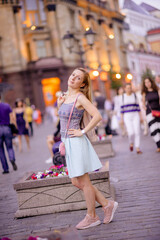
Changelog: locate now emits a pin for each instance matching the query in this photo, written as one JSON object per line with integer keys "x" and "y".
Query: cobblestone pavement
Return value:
{"x": 136, "y": 179}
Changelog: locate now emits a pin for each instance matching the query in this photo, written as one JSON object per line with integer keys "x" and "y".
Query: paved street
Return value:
{"x": 136, "y": 179}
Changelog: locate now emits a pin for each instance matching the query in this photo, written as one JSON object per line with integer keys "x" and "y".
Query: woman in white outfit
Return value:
{"x": 117, "y": 110}
{"x": 130, "y": 113}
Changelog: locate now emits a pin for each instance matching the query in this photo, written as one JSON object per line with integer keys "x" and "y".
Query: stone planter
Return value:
{"x": 57, "y": 194}
{"x": 103, "y": 148}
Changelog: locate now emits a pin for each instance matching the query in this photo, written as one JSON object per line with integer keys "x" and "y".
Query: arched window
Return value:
{"x": 141, "y": 47}
{"x": 131, "y": 46}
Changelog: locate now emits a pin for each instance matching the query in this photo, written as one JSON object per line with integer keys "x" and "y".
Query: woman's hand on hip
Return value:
{"x": 75, "y": 133}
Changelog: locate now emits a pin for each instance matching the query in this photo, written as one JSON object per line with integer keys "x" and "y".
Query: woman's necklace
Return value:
{"x": 71, "y": 96}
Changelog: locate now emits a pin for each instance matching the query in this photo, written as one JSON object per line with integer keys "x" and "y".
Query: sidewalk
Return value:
{"x": 136, "y": 179}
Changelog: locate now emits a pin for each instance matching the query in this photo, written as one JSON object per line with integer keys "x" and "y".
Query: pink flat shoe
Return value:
{"x": 109, "y": 211}
{"x": 88, "y": 222}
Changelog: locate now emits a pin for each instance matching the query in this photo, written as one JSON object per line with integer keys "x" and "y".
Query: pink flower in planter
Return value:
{"x": 5, "y": 238}
{"x": 56, "y": 174}
{"x": 32, "y": 238}
{"x": 43, "y": 175}
{"x": 66, "y": 170}
{"x": 34, "y": 176}
{"x": 54, "y": 171}
{"x": 53, "y": 167}
{"x": 60, "y": 166}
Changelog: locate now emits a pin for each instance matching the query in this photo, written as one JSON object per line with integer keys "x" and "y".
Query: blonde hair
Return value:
{"x": 86, "y": 89}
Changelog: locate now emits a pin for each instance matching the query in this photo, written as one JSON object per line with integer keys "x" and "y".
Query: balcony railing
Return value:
{"x": 46, "y": 2}
{"x": 11, "y": 2}
{"x": 99, "y": 3}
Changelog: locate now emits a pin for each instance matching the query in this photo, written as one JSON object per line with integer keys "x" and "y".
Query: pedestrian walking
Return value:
{"x": 80, "y": 155}
{"x": 37, "y": 116}
{"x": 51, "y": 140}
{"x": 131, "y": 117}
{"x": 151, "y": 102}
{"x": 157, "y": 81}
{"x": 22, "y": 123}
{"x": 143, "y": 111}
{"x": 6, "y": 137}
{"x": 117, "y": 109}
{"x": 29, "y": 117}
{"x": 99, "y": 103}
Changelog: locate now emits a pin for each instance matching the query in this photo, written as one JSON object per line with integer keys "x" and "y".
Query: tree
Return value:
{"x": 115, "y": 83}
{"x": 147, "y": 74}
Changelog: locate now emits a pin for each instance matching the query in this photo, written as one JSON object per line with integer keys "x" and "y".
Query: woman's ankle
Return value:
{"x": 92, "y": 214}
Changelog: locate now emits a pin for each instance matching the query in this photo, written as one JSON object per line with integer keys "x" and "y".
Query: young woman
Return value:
{"x": 22, "y": 123}
{"x": 151, "y": 95}
{"x": 80, "y": 155}
{"x": 130, "y": 112}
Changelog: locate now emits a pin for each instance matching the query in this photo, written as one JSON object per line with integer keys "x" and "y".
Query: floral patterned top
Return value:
{"x": 64, "y": 113}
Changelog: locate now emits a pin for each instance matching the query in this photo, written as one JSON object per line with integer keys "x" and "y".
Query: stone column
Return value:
{"x": 52, "y": 23}
{"x": 122, "y": 61}
{"x": 20, "y": 37}
{"x": 9, "y": 45}
{"x": 66, "y": 23}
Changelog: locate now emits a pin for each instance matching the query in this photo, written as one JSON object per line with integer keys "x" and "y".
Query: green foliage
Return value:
{"x": 147, "y": 74}
{"x": 115, "y": 83}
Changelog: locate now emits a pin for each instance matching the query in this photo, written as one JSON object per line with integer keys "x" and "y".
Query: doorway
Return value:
{"x": 49, "y": 87}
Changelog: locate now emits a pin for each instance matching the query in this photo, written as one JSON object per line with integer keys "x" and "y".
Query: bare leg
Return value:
{"x": 145, "y": 127}
{"x": 27, "y": 141}
{"x": 91, "y": 193}
{"x": 20, "y": 143}
{"x": 100, "y": 198}
{"x": 84, "y": 183}
{"x": 50, "y": 143}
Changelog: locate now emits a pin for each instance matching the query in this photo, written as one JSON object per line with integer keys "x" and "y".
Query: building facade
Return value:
{"x": 34, "y": 60}
{"x": 142, "y": 39}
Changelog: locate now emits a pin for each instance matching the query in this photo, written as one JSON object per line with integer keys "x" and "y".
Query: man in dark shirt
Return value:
{"x": 100, "y": 100}
{"x": 6, "y": 137}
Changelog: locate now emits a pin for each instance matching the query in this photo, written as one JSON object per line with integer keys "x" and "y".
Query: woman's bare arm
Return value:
{"x": 92, "y": 110}
{"x": 60, "y": 100}
{"x": 144, "y": 100}
{"x": 13, "y": 118}
{"x": 159, "y": 95}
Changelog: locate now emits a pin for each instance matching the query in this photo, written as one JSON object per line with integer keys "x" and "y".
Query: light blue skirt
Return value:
{"x": 80, "y": 156}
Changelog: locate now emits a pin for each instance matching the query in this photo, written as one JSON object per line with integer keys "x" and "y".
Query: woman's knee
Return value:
{"x": 76, "y": 183}
{"x": 81, "y": 181}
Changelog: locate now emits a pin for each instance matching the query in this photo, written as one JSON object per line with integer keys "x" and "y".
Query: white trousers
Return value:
{"x": 132, "y": 123}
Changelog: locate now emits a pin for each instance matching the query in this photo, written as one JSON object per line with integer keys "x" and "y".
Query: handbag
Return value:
{"x": 13, "y": 128}
{"x": 58, "y": 159}
{"x": 155, "y": 113}
{"x": 62, "y": 149}
{"x": 62, "y": 145}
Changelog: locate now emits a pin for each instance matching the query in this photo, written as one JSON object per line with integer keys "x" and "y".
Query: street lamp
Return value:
{"x": 111, "y": 36}
{"x": 95, "y": 73}
{"x": 69, "y": 40}
{"x": 90, "y": 36}
{"x": 129, "y": 76}
{"x": 118, "y": 75}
